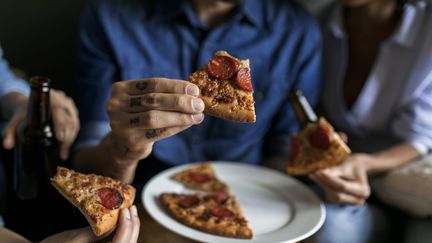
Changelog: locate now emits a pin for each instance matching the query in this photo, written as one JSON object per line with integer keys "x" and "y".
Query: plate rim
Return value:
{"x": 177, "y": 168}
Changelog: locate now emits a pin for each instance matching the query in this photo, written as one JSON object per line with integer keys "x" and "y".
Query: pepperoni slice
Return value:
{"x": 222, "y": 67}
{"x": 110, "y": 198}
{"x": 221, "y": 197}
{"x": 222, "y": 212}
{"x": 296, "y": 148}
{"x": 243, "y": 80}
{"x": 189, "y": 201}
{"x": 320, "y": 138}
{"x": 200, "y": 178}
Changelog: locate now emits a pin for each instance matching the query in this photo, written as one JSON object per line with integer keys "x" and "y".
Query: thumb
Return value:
{"x": 9, "y": 140}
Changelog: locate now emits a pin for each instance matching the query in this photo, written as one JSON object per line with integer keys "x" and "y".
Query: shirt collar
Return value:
{"x": 169, "y": 9}
{"x": 404, "y": 34}
{"x": 411, "y": 18}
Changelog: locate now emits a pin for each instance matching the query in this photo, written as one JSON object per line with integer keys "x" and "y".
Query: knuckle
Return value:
{"x": 151, "y": 119}
{"x": 151, "y": 84}
{"x": 111, "y": 106}
{"x": 150, "y": 100}
{"x": 178, "y": 101}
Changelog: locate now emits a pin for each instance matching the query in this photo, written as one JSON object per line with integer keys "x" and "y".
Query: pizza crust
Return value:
{"x": 227, "y": 111}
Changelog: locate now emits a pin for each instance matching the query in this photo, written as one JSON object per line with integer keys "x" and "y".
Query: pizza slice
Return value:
{"x": 201, "y": 177}
{"x": 226, "y": 88}
{"x": 217, "y": 213}
{"x": 317, "y": 146}
{"x": 99, "y": 198}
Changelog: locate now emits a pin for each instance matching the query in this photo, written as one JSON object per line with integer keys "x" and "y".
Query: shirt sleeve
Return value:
{"x": 307, "y": 79}
{"x": 97, "y": 71}
{"x": 8, "y": 82}
{"x": 414, "y": 123}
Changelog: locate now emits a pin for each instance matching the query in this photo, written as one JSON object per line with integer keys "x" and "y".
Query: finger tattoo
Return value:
{"x": 154, "y": 133}
{"x": 141, "y": 86}
{"x": 135, "y": 101}
{"x": 134, "y": 121}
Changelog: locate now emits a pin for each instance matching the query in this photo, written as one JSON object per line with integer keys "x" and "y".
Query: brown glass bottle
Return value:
{"x": 303, "y": 110}
{"x": 36, "y": 153}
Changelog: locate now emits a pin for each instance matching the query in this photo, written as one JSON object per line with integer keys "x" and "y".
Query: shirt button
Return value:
{"x": 208, "y": 46}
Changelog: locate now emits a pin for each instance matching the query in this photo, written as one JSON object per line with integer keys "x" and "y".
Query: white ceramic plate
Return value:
{"x": 278, "y": 207}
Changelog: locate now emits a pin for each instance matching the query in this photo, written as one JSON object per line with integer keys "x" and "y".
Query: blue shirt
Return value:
{"x": 133, "y": 39}
{"x": 395, "y": 103}
{"x": 8, "y": 82}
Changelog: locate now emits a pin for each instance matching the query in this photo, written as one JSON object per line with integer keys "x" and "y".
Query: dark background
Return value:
{"x": 40, "y": 38}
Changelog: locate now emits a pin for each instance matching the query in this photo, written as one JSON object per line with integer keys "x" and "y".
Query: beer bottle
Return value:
{"x": 36, "y": 152}
{"x": 303, "y": 110}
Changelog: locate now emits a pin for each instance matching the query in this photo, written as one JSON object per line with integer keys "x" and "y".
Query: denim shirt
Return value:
{"x": 132, "y": 39}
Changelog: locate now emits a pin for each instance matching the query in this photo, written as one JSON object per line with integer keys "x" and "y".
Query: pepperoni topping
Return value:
{"x": 296, "y": 148}
{"x": 189, "y": 201}
{"x": 200, "y": 178}
{"x": 110, "y": 198}
{"x": 320, "y": 138}
{"x": 222, "y": 67}
{"x": 221, "y": 197}
{"x": 222, "y": 212}
{"x": 243, "y": 80}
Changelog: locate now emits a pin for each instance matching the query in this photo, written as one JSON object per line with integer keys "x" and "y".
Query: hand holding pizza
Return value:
{"x": 126, "y": 232}
{"x": 144, "y": 111}
{"x": 346, "y": 183}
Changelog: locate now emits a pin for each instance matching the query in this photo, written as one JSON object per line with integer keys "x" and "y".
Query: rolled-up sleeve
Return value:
{"x": 8, "y": 82}
{"x": 97, "y": 72}
{"x": 414, "y": 123}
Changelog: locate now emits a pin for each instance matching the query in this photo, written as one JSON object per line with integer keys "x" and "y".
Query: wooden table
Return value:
{"x": 152, "y": 232}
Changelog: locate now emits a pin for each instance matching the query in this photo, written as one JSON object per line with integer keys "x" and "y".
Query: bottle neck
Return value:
{"x": 38, "y": 114}
{"x": 303, "y": 110}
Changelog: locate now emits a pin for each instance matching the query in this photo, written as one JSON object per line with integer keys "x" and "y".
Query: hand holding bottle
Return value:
{"x": 64, "y": 116}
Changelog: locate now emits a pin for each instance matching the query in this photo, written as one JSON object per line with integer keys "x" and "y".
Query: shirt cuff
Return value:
{"x": 92, "y": 133}
{"x": 420, "y": 147}
{"x": 17, "y": 85}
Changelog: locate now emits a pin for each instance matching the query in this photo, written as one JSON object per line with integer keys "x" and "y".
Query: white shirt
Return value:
{"x": 395, "y": 104}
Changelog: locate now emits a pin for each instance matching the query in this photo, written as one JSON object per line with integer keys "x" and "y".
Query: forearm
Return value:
{"x": 9, "y": 103}
{"x": 391, "y": 158}
{"x": 106, "y": 159}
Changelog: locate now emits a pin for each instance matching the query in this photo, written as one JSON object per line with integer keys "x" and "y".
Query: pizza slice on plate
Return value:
{"x": 215, "y": 213}
{"x": 226, "y": 88}
{"x": 99, "y": 198}
{"x": 201, "y": 177}
{"x": 317, "y": 146}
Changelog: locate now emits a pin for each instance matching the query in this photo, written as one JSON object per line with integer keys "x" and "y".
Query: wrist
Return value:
{"x": 124, "y": 155}
{"x": 369, "y": 162}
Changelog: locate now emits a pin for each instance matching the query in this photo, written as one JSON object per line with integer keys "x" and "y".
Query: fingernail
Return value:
{"x": 198, "y": 117}
{"x": 198, "y": 104}
{"x": 134, "y": 211}
{"x": 126, "y": 213}
{"x": 192, "y": 90}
